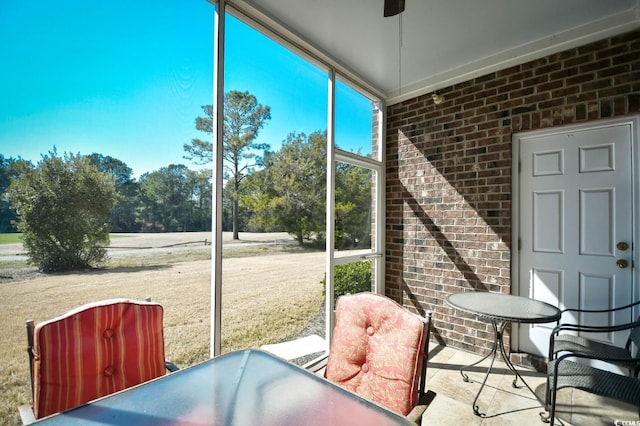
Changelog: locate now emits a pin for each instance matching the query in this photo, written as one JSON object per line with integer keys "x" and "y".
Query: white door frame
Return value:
{"x": 634, "y": 121}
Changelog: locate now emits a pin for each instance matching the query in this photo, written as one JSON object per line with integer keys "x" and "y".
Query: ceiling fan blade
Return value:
{"x": 393, "y": 7}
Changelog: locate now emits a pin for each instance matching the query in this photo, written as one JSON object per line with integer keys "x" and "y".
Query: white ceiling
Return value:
{"x": 443, "y": 41}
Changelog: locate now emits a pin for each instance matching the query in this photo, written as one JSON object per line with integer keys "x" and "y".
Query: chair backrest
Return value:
{"x": 378, "y": 350}
{"x": 95, "y": 350}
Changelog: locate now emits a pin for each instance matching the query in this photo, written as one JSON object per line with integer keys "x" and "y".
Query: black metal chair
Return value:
{"x": 580, "y": 345}
{"x": 566, "y": 369}
{"x": 565, "y": 373}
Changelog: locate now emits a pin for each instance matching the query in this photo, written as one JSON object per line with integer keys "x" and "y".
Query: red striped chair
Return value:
{"x": 92, "y": 351}
{"x": 379, "y": 351}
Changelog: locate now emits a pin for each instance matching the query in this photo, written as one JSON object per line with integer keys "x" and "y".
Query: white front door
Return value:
{"x": 576, "y": 224}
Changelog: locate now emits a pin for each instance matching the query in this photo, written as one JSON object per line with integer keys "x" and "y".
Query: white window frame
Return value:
{"x": 269, "y": 27}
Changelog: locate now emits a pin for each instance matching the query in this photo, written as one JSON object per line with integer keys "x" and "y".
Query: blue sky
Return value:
{"x": 127, "y": 80}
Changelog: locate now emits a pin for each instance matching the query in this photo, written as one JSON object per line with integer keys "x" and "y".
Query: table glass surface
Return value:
{"x": 504, "y": 307}
{"x": 239, "y": 388}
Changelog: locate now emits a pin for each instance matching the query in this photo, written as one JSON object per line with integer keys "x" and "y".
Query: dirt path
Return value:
{"x": 128, "y": 244}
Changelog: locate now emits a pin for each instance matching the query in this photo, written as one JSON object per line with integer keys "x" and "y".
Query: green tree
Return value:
{"x": 63, "y": 206}
{"x": 243, "y": 119}
{"x": 10, "y": 168}
{"x": 243, "y": 214}
{"x": 164, "y": 200}
{"x": 290, "y": 193}
{"x": 198, "y": 150}
{"x": 200, "y": 193}
{"x": 353, "y": 206}
{"x": 175, "y": 199}
{"x": 123, "y": 213}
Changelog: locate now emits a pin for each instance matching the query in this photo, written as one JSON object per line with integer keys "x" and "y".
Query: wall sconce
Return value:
{"x": 437, "y": 99}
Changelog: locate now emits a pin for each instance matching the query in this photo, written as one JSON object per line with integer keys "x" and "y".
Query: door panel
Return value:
{"x": 548, "y": 214}
{"x": 598, "y": 291}
{"x": 596, "y": 222}
{"x": 575, "y": 191}
{"x": 547, "y": 285}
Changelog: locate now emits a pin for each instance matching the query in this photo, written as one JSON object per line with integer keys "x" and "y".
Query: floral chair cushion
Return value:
{"x": 377, "y": 350}
{"x": 95, "y": 350}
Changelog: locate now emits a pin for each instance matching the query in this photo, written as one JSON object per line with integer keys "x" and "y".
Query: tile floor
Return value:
{"x": 505, "y": 405}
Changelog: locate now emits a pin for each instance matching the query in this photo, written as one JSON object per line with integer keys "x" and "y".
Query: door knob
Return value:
{"x": 622, "y": 246}
{"x": 621, "y": 263}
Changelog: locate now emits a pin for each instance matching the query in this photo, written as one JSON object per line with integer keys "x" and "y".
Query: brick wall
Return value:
{"x": 449, "y": 172}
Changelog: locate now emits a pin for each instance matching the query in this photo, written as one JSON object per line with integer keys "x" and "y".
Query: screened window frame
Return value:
{"x": 269, "y": 27}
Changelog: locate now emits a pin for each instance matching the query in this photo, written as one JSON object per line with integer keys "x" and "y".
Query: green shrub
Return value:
{"x": 350, "y": 278}
{"x": 63, "y": 207}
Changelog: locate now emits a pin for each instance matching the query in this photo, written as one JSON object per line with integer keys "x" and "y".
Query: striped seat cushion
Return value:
{"x": 377, "y": 350}
{"x": 95, "y": 350}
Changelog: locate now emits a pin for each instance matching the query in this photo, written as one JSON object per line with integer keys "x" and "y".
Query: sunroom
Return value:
{"x": 495, "y": 137}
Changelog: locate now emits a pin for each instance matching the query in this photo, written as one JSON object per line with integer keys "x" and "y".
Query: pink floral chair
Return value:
{"x": 92, "y": 351}
{"x": 379, "y": 351}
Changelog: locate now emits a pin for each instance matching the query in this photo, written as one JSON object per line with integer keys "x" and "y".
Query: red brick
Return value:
{"x": 449, "y": 171}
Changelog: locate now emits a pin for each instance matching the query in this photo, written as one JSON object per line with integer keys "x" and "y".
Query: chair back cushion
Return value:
{"x": 95, "y": 350}
{"x": 377, "y": 350}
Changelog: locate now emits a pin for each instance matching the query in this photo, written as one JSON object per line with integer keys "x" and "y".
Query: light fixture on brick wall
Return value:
{"x": 437, "y": 99}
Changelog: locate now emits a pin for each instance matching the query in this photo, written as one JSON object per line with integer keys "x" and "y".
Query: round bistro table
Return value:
{"x": 499, "y": 309}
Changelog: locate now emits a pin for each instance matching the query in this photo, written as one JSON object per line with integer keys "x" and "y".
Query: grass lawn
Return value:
{"x": 10, "y": 238}
{"x": 267, "y": 298}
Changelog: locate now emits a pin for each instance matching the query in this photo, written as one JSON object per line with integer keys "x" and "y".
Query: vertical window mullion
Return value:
{"x": 330, "y": 222}
{"x": 380, "y": 201}
{"x": 217, "y": 173}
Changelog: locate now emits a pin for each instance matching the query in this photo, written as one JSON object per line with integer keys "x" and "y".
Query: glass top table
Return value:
{"x": 239, "y": 388}
{"x": 504, "y": 307}
{"x": 500, "y": 309}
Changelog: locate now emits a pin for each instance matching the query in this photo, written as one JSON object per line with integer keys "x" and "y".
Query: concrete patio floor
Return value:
{"x": 505, "y": 405}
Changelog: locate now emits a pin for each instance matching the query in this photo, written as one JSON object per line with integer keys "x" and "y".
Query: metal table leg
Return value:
{"x": 507, "y": 360}
{"x": 498, "y": 345}
{"x": 497, "y": 340}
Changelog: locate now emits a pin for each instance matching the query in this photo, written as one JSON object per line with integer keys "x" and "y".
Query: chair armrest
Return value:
{"x": 593, "y": 328}
{"x": 619, "y": 308}
{"x": 171, "y": 366}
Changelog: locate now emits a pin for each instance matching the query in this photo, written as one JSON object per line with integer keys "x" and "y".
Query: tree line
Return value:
{"x": 171, "y": 199}
{"x": 76, "y": 200}
{"x": 288, "y": 194}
